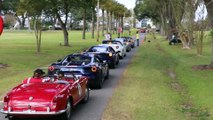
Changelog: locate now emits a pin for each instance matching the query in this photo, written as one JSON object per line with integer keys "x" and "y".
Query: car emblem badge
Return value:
{"x": 30, "y": 98}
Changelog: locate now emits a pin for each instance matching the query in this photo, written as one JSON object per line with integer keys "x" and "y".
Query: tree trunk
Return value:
{"x": 18, "y": 19}
{"x": 23, "y": 21}
{"x": 185, "y": 39}
{"x": 0, "y": 6}
{"x": 209, "y": 6}
{"x": 211, "y": 34}
{"x": 107, "y": 27}
{"x": 134, "y": 21}
{"x": 103, "y": 22}
{"x": 113, "y": 23}
{"x": 37, "y": 31}
{"x": 64, "y": 29}
{"x": 29, "y": 23}
{"x": 53, "y": 21}
{"x": 110, "y": 25}
{"x": 84, "y": 24}
{"x": 93, "y": 25}
{"x": 122, "y": 23}
{"x": 116, "y": 26}
{"x": 98, "y": 31}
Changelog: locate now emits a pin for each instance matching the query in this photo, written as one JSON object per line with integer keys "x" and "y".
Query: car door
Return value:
{"x": 81, "y": 86}
{"x": 77, "y": 90}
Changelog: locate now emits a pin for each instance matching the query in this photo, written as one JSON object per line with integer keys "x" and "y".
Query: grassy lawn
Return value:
{"x": 18, "y": 51}
{"x": 160, "y": 84}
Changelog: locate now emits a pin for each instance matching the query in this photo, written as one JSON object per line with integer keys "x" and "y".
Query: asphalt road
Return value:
{"x": 94, "y": 108}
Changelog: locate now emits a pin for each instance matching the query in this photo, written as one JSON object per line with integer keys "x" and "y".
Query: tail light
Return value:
{"x": 51, "y": 68}
{"x": 94, "y": 69}
{"x": 117, "y": 47}
{"x": 110, "y": 54}
{"x": 6, "y": 99}
{"x": 55, "y": 99}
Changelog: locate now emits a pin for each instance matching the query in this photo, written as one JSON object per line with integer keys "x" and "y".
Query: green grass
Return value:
{"x": 18, "y": 51}
{"x": 148, "y": 92}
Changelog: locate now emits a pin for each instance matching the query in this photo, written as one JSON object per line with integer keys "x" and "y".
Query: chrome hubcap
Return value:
{"x": 68, "y": 110}
{"x": 86, "y": 94}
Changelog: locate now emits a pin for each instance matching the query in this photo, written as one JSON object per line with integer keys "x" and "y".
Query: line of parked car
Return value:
{"x": 50, "y": 95}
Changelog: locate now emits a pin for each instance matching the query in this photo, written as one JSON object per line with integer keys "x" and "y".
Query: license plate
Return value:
{"x": 29, "y": 111}
{"x": 69, "y": 69}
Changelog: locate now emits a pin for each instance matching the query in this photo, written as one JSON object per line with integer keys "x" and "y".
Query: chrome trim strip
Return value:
{"x": 32, "y": 112}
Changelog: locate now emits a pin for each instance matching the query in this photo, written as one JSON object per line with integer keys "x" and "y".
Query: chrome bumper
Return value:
{"x": 30, "y": 112}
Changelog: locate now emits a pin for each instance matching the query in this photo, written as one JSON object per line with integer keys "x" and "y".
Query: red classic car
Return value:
{"x": 47, "y": 98}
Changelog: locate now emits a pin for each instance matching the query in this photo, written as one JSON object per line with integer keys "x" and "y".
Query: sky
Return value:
{"x": 200, "y": 13}
{"x": 130, "y": 4}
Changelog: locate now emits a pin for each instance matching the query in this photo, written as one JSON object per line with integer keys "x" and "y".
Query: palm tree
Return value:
{"x": 103, "y": 8}
{"x": 120, "y": 11}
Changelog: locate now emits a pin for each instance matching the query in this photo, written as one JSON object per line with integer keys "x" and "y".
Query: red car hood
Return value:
{"x": 36, "y": 93}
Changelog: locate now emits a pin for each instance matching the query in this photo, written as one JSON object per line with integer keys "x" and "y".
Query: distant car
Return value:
{"x": 46, "y": 99}
{"x": 106, "y": 53}
{"x": 125, "y": 42}
{"x": 117, "y": 46}
{"x": 130, "y": 40}
{"x": 143, "y": 30}
{"x": 85, "y": 64}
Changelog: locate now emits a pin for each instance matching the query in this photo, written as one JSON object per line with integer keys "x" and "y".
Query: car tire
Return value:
{"x": 117, "y": 60}
{"x": 86, "y": 97}
{"x": 67, "y": 114}
{"x": 107, "y": 75}
{"x": 12, "y": 118}
{"x": 100, "y": 81}
{"x": 112, "y": 64}
{"x": 121, "y": 57}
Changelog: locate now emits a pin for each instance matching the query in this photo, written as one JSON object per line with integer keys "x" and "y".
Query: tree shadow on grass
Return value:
{"x": 3, "y": 65}
{"x": 202, "y": 67}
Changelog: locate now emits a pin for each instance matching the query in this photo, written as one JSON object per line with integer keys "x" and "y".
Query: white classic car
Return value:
{"x": 116, "y": 45}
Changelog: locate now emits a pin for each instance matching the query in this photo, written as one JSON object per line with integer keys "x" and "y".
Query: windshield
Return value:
{"x": 98, "y": 49}
{"x": 77, "y": 59}
{"x": 112, "y": 42}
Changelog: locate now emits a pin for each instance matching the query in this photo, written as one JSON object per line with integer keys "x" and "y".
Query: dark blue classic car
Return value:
{"x": 130, "y": 41}
{"x": 85, "y": 64}
{"x": 106, "y": 53}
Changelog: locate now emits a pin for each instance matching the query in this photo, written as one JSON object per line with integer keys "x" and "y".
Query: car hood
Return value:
{"x": 35, "y": 92}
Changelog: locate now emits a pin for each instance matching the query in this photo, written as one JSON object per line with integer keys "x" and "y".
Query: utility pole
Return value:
{"x": 98, "y": 6}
